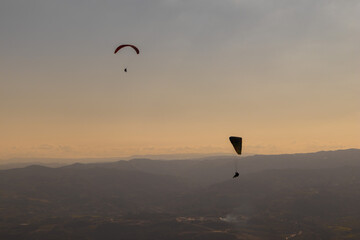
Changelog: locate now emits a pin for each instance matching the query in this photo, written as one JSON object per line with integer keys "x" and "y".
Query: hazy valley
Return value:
{"x": 300, "y": 196}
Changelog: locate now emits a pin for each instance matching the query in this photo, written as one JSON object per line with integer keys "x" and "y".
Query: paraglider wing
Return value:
{"x": 237, "y": 144}
{"x": 127, "y": 45}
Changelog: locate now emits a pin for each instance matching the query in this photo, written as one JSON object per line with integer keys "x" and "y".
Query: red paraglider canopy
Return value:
{"x": 127, "y": 45}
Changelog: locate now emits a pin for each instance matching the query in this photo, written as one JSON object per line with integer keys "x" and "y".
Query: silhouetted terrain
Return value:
{"x": 295, "y": 196}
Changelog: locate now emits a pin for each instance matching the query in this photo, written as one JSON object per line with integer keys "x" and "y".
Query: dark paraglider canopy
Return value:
{"x": 237, "y": 143}
{"x": 127, "y": 45}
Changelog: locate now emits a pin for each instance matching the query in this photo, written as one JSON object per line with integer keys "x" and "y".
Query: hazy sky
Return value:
{"x": 283, "y": 74}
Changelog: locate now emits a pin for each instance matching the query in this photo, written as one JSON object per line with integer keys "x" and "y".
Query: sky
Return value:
{"x": 282, "y": 74}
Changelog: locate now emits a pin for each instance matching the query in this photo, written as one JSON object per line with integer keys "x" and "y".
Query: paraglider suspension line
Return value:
{"x": 236, "y": 163}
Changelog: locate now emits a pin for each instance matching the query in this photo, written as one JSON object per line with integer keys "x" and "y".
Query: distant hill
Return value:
{"x": 85, "y": 190}
{"x": 211, "y": 170}
{"x": 314, "y": 195}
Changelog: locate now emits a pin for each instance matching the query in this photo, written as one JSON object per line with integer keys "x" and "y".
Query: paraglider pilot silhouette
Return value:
{"x": 237, "y": 144}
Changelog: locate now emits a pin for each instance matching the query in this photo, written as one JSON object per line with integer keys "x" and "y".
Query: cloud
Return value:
{"x": 65, "y": 149}
{"x": 45, "y": 147}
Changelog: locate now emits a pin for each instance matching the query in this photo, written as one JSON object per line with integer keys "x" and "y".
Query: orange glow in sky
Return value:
{"x": 284, "y": 78}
